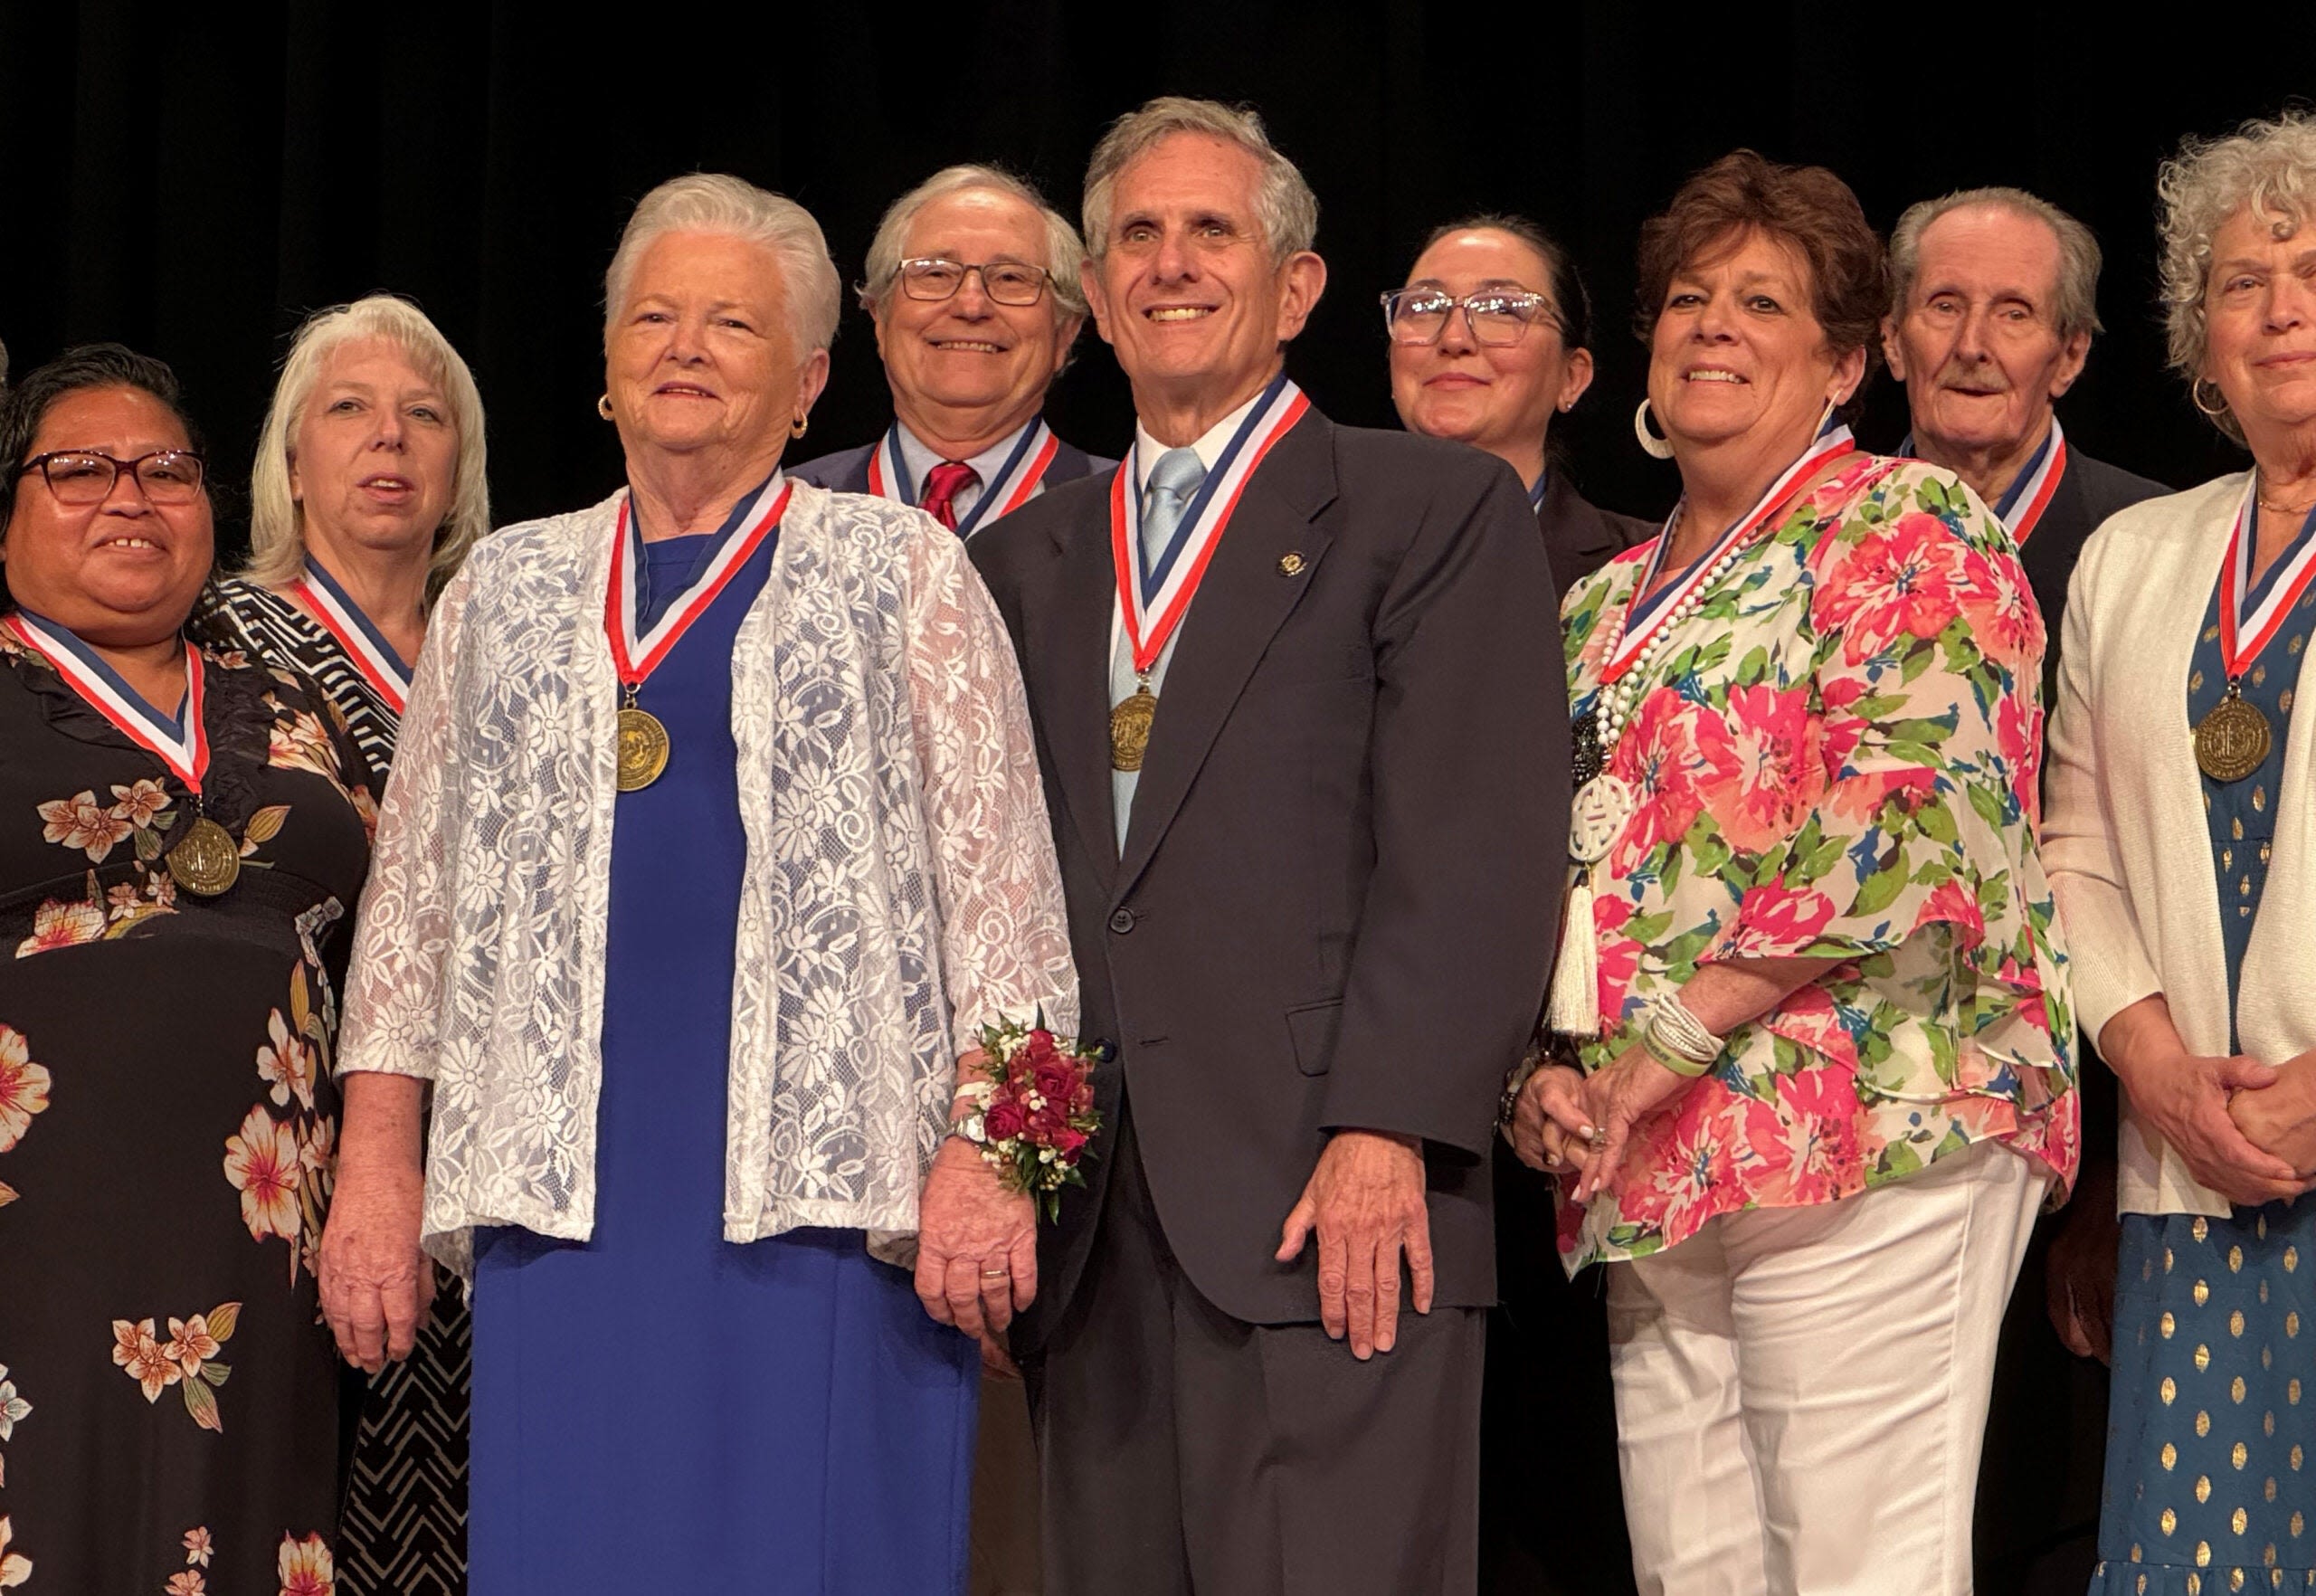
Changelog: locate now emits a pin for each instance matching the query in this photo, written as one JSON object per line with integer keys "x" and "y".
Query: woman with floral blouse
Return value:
{"x": 1824, "y": 1059}
{"x": 181, "y": 836}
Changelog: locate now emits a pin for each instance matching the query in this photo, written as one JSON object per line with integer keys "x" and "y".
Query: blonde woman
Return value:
{"x": 2187, "y": 624}
{"x": 368, "y": 489}
{"x": 366, "y": 493}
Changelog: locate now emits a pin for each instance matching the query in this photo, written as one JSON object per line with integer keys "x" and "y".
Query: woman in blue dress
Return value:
{"x": 715, "y": 836}
{"x": 2178, "y": 721}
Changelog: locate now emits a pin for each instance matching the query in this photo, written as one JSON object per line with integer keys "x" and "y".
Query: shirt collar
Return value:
{"x": 1209, "y": 444}
{"x": 918, "y": 459}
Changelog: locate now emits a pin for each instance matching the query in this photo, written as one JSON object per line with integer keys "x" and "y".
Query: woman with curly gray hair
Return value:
{"x": 2190, "y": 963}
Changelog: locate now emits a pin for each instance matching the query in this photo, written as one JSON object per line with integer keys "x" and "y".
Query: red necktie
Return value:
{"x": 943, "y": 483}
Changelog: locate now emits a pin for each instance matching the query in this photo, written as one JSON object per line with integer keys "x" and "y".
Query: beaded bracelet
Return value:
{"x": 1677, "y": 1038}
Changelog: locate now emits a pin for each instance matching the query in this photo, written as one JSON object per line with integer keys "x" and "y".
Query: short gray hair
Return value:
{"x": 1284, "y": 203}
{"x": 277, "y": 523}
{"x": 715, "y": 202}
{"x": 2266, "y": 167}
{"x": 2075, "y": 294}
{"x": 1065, "y": 252}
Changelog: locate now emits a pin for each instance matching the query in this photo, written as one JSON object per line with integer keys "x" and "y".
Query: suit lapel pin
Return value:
{"x": 1290, "y": 564}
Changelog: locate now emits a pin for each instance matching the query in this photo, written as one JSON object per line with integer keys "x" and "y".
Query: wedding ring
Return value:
{"x": 996, "y": 1274}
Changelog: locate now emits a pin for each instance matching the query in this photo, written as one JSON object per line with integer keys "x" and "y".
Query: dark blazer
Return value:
{"x": 1580, "y": 538}
{"x": 1337, "y": 902}
{"x": 2089, "y": 492}
{"x": 847, "y": 470}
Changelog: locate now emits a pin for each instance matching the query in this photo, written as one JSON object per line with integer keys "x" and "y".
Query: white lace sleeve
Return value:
{"x": 401, "y": 936}
{"x": 1004, "y": 927}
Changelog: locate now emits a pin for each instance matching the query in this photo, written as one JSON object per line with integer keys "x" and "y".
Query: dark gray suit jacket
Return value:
{"x": 847, "y": 470}
{"x": 2088, "y": 492}
{"x": 1579, "y": 538}
{"x": 1338, "y": 899}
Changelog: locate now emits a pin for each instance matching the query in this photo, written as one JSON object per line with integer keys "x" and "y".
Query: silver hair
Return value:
{"x": 715, "y": 202}
{"x": 1064, "y": 252}
{"x": 2075, "y": 294}
{"x": 1284, "y": 203}
{"x": 2268, "y": 167}
{"x": 277, "y": 523}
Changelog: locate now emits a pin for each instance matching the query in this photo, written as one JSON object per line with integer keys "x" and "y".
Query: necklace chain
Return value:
{"x": 1614, "y": 702}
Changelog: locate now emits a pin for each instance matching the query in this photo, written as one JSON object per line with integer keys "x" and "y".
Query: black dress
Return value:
{"x": 404, "y": 1531}
{"x": 168, "y": 1120}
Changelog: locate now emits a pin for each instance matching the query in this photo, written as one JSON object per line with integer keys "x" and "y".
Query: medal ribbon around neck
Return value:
{"x": 2243, "y": 636}
{"x": 1014, "y": 485}
{"x": 364, "y": 643}
{"x": 1632, "y": 642}
{"x": 638, "y": 654}
{"x": 1150, "y": 602}
{"x": 2030, "y": 496}
{"x": 182, "y": 744}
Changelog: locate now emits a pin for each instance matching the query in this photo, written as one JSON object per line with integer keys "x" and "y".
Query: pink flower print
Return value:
{"x": 198, "y": 1548}
{"x": 318, "y": 1148}
{"x": 1619, "y": 954}
{"x": 1778, "y": 921}
{"x": 2000, "y": 608}
{"x": 1669, "y": 753}
{"x": 1771, "y": 776}
{"x": 190, "y": 1344}
{"x": 288, "y": 1062}
{"x": 13, "y": 1408}
{"x": 262, "y": 1163}
{"x": 16, "y": 1568}
{"x": 80, "y": 822}
{"x": 2018, "y": 739}
{"x": 1899, "y": 583}
{"x": 141, "y": 803}
{"x": 1689, "y": 1156}
{"x": 23, "y": 1088}
{"x": 301, "y": 743}
{"x": 188, "y": 1583}
{"x": 305, "y": 1568}
{"x": 136, "y": 1350}
{"x": 1954, "y": 904}
{"x": 58, "y": 923}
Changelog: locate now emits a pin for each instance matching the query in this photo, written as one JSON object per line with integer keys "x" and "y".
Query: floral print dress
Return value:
{"x": 1837, "y": 757}
{"x": 168, "y": 1399}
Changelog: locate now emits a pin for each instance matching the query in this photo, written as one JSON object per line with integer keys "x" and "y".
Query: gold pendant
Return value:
{"x": 642, "y": 748}
{"x": 2233, "y": 739}
{"x": 1130, "y": 719}
{"x": 205, "y": 862}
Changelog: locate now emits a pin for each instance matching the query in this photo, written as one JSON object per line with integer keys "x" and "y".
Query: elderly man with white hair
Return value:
{"x": 715, "y": 826}
{"x": 1307, "y": 748}
{"x": 973, "y": 283}
{"x": 1993, "y": 308}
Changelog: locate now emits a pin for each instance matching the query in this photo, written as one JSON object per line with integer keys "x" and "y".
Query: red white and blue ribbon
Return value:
{"x": 1019, "y": 479}
{"x": 2244, "y": 634}
{"x": 380, "y": 665}
{"x": 1650, "y": 611}
{"x": 1151, "y": 601}
{"x": 1544, "y": 486}
{"x": 637, "y": 653}
{"x": 182, "y": 743}
{"x": 2029, "y": 497}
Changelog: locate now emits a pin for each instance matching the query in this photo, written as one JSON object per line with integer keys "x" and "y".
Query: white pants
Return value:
{"x": 1801, "y": 1392}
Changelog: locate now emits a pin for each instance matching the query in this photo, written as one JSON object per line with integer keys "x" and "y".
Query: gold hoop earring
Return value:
{"x": 2196, "y": 397}
{"x": 604, "y": 407}
{"x": 1649, "y": 441}
{"x": 796, "y": 428}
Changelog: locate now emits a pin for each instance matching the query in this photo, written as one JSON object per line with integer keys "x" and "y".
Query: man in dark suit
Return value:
{"x": 1305, "y": 754}
{"x": 973, "y": 281}
{"x": 1993, "y": 311}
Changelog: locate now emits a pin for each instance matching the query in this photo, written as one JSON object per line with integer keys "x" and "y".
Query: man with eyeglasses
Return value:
{"x": 1306, "y": 748}
{"x": 973, "y": 282}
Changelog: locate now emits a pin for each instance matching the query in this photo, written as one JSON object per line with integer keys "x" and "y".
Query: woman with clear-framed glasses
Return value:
{"x": 1489, "y": 341}
{"x": 182, "y": 835}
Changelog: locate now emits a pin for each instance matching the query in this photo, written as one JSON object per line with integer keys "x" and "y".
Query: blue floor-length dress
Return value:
{"x": 2211, "y": 1432}
{"x": 657, "y": 1410}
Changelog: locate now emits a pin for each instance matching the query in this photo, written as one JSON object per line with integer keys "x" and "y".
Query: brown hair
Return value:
{"x": 1807, "y": 207}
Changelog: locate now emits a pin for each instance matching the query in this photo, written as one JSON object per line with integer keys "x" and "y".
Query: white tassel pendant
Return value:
{"x": 1574, "y": 1007}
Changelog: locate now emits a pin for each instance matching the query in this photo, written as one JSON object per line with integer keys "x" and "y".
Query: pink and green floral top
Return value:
{"x": 1837, "y": 756}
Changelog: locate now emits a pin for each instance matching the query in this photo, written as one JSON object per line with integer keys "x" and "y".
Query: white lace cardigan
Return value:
{"x": 899, "y": 890}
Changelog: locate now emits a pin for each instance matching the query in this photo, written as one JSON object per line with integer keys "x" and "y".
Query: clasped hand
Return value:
{"x": 1567, "y": 1122}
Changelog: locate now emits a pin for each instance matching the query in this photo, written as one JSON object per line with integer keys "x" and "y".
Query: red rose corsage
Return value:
{"x": 1033, "y": 1115}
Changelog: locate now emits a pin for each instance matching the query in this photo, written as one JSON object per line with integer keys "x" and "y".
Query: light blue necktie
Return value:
{"x": 1173, "y": 482}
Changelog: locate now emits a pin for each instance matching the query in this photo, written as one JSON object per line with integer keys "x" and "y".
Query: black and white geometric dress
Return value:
{"x": 404, "y": 1532}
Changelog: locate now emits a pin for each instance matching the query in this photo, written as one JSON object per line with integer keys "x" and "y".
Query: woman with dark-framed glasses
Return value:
{"x": 973, "y": 282}
{"x": 1489, "y": 341}
{"x": 183, "y": 834}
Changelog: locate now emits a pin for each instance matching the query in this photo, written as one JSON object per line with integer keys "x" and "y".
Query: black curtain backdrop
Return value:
{"x": 192, "y": 182}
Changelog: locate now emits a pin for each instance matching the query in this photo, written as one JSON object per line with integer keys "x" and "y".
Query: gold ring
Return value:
{"x": 997, "y": 1274}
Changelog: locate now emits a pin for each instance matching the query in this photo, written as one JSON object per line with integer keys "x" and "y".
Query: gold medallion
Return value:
{"x": 205, "y": 862}
{"x": 1130, "y": 719}
{"x": 2233, "y": 740}
{"x": 642, "y": 748}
